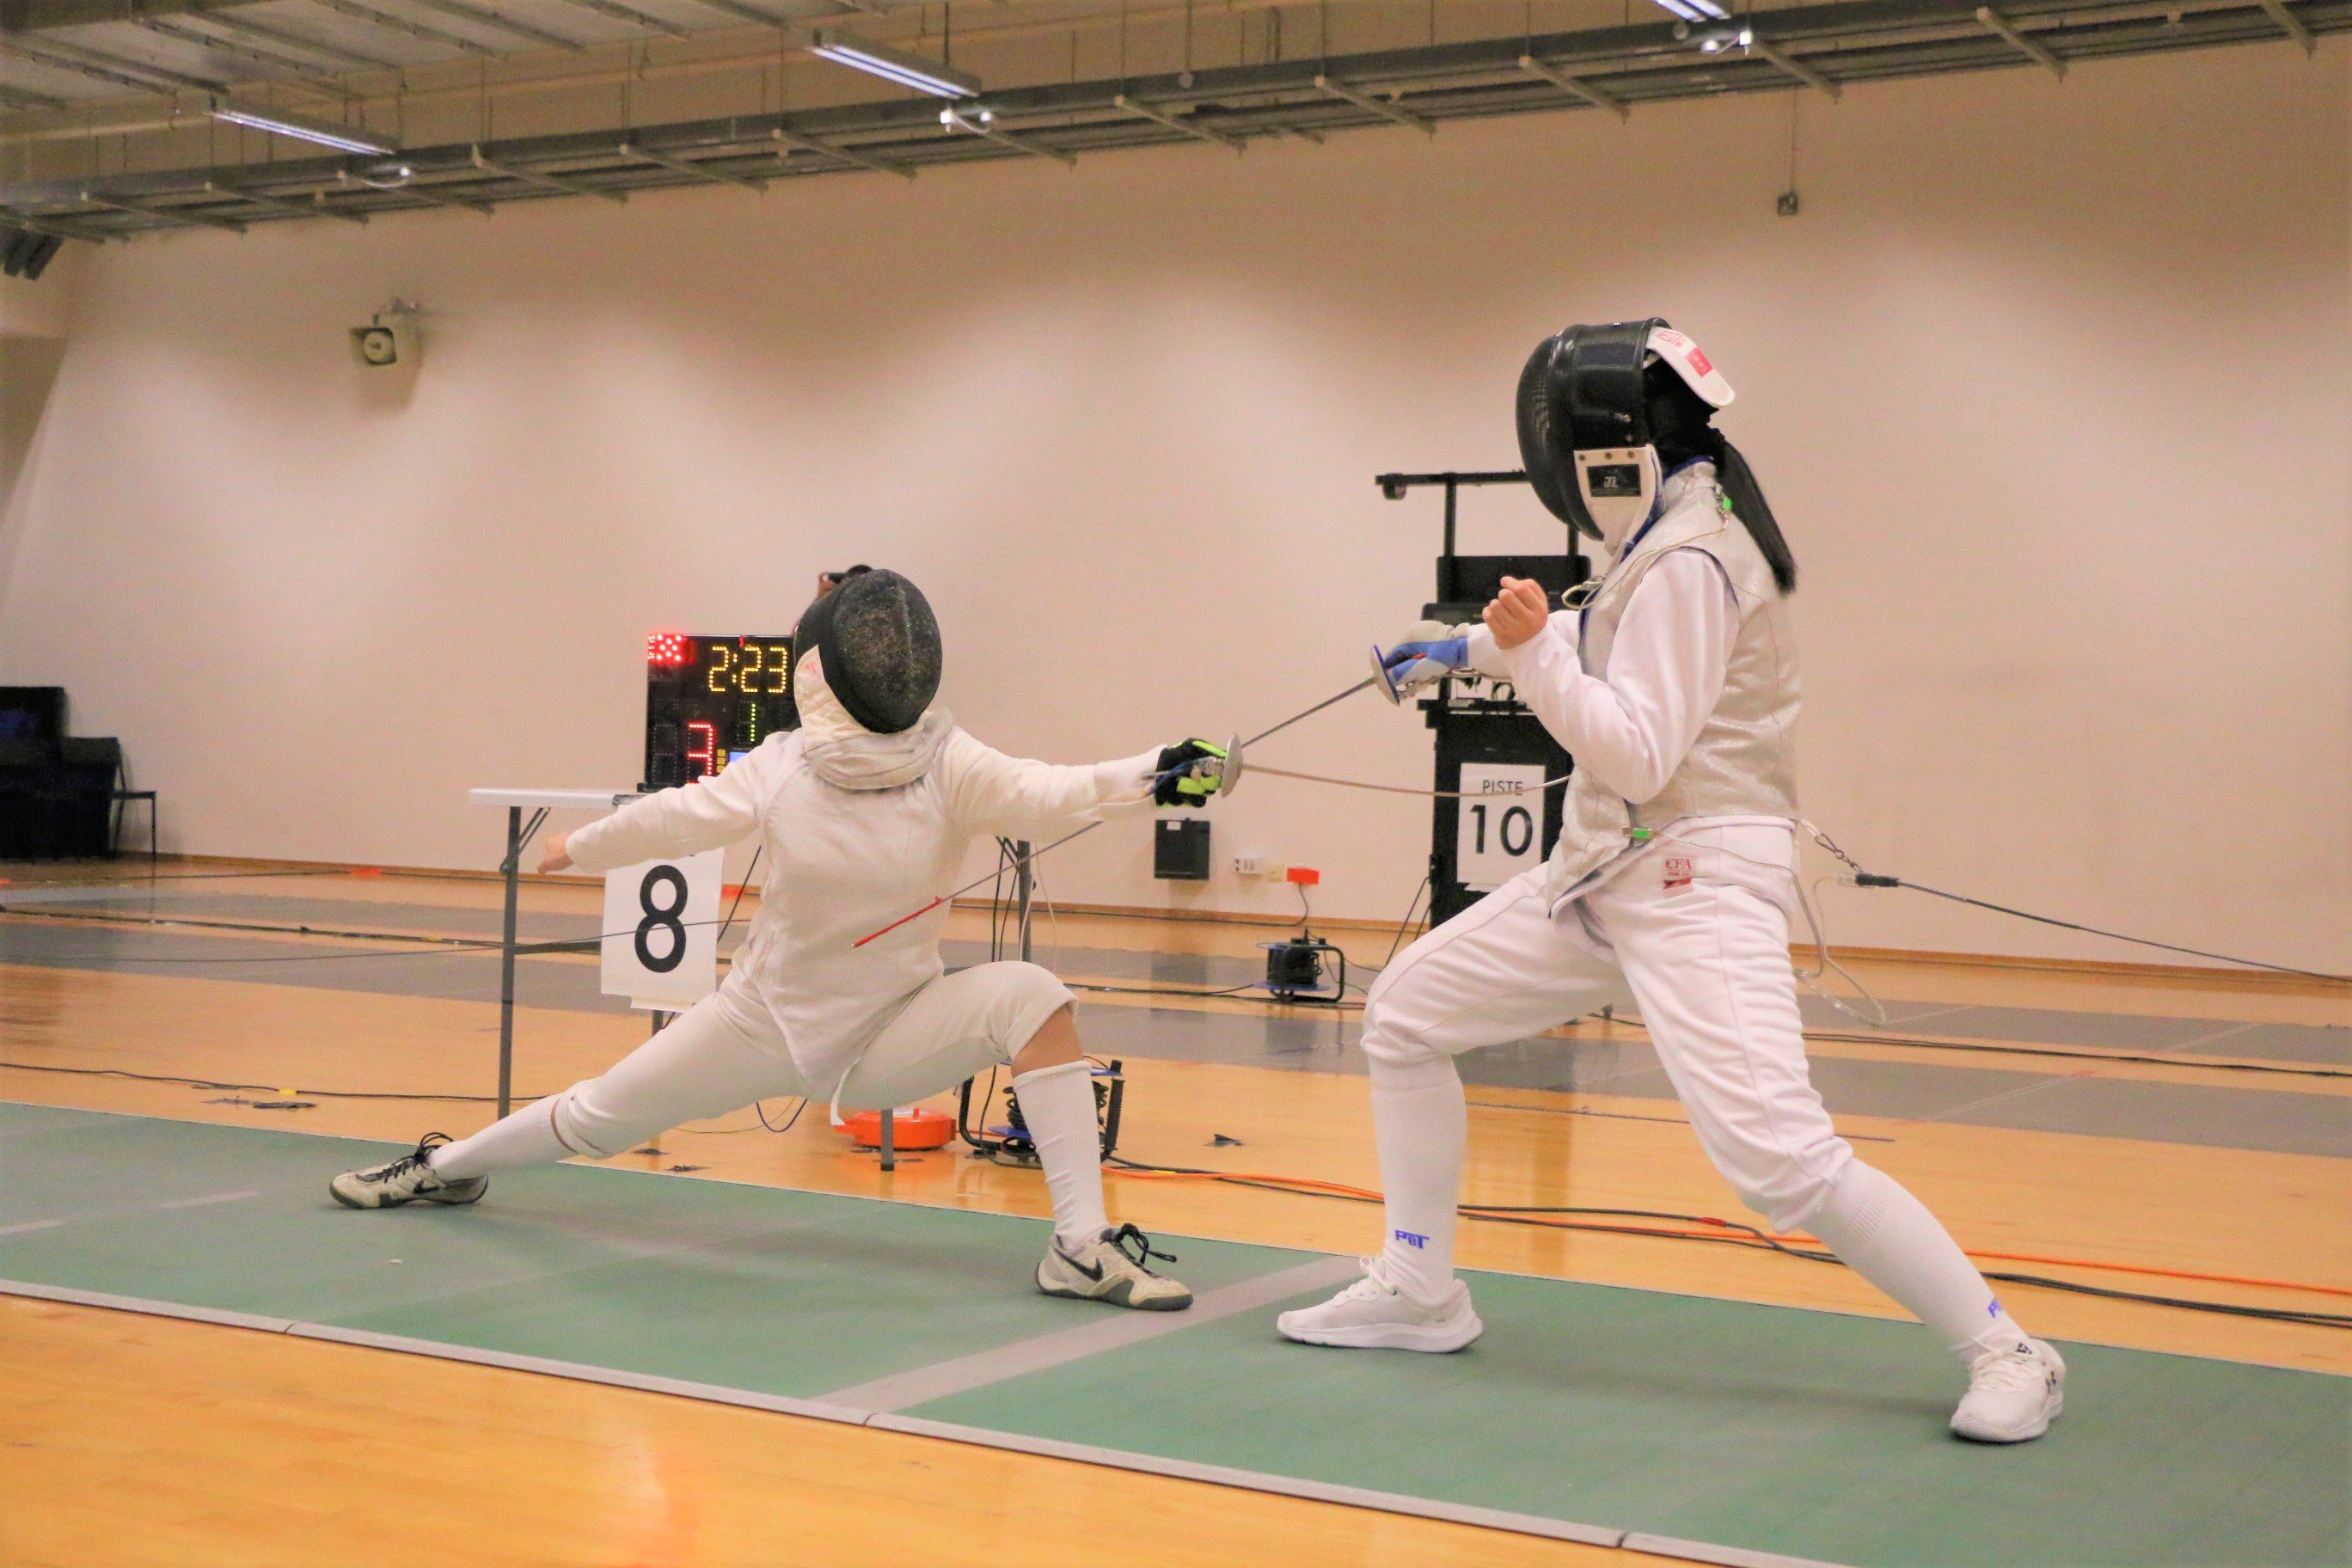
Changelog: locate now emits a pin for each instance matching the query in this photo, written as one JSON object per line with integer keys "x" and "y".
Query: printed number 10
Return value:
{"x": 1517, "y": 823}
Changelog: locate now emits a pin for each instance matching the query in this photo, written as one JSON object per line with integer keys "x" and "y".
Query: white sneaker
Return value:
{"x": 1373, "y": 1314}
{"x": 406, "y": 1181}
{"x": 1103, "y": 1271}
{"x": 2013, "y": 1395}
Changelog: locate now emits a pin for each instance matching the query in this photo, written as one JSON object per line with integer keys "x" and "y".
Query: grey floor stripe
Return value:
{"x": 963, "y": 1373}
{"x": 1702, "y": 1552}
{"x": 74, "y": 1298}
{"x": 1009, "y": 1442}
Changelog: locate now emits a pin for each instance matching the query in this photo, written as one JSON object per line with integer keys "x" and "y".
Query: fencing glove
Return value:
{"x": 1189, "y": 772}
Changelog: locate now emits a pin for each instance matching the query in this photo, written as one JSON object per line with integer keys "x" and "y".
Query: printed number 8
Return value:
{"x": 660, "y": 919}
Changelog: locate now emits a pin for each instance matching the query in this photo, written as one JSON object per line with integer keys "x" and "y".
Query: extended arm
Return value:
{"x": 1667, "y": 669}
{"x": 705, "y": 814}
{"x": 989, "y": 792}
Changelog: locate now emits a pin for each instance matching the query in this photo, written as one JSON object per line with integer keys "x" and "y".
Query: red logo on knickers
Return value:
{"x": 1679, "y": 872}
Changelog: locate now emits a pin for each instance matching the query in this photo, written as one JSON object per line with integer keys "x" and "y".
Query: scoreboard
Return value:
{"x": 710, "y": 699}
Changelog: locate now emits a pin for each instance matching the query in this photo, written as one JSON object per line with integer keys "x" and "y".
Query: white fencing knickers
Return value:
{"x": 725, "y": 1052}
{"x": 1695, "y": 930}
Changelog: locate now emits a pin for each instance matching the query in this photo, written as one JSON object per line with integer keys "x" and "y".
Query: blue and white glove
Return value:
{"x": 1428, "y": 655}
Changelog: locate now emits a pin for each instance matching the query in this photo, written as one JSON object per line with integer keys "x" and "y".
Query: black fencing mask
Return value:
{"x": 1606, "y": 411}
{"x": 880, "y": 646}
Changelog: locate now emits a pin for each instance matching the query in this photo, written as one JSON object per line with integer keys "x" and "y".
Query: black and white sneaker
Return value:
{"x": 1105, "y": 1270}
{"x": 406, "y": 1181}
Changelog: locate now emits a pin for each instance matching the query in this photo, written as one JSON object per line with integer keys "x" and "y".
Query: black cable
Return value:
{"x": 1862, "y": 878}
{"x": 439, "y": 946}
{"x": 263, "y": 1088}
{"x": 266, "y": 927}
{"x": 1233, "y": 991}
{"x": 1868, "y": 879}
{"x": 2234, "y": 1064}
{"x": 1752, "y": 1238}
{"x": 761, "y": 1111}
{"x": 741, "y": 888}
{"x": 1406, "y": 923}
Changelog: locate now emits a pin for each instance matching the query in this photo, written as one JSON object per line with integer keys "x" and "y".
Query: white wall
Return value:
{"x": 2048, "y": 384}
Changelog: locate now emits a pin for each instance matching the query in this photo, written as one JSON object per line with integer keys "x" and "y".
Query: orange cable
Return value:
{"x": 1307, "y": 1186}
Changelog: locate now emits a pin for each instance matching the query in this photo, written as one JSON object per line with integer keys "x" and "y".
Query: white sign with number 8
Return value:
{"x": 661, "y": 931}
{"x": 1499, "y": 831}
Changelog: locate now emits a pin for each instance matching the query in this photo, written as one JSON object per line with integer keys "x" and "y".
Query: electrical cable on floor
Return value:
{"x": 761, "y": 1111}
{"x": 1733, "y": 1233}
{"x": 2086, "y": 1054}
{"x": 207, "y": 1083}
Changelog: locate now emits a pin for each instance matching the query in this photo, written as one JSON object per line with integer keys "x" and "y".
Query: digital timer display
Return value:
{"x": 708, "y": 698}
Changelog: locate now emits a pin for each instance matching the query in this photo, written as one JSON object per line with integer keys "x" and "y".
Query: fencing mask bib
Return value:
{"x": 880, "y": 646}
{"x": 1590, "y": 420}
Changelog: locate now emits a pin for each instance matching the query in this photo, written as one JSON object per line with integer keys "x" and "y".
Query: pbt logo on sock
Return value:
{"x": 1416, "y": 1242}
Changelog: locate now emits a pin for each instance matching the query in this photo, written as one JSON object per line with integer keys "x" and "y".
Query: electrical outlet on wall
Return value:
{"x": 1249, "y": 866}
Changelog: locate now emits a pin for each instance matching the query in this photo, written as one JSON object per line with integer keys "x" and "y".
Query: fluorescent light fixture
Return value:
{"x": 893, "y": 65}
{"x": 1696, "y": 10}
{"x": 340, "y": 137}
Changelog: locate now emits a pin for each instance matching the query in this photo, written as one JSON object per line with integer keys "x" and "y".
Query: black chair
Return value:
{"x": 59, "y": 798}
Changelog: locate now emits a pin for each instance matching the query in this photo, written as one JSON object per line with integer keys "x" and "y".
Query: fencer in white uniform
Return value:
{"x": 864, "y": 815}
{"x": 1672, "y": 886}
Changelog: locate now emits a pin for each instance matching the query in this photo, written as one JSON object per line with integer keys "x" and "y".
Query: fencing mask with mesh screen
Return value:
{"x": 880, "y": 646}
{"x": 1606, "y": 411}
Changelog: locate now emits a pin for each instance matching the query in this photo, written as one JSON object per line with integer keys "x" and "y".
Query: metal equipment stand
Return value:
{"x": 519, "y": 833}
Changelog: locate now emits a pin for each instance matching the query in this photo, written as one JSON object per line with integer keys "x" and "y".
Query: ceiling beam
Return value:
{"x": 1769, "y": 51}
{"x": 409, "y": 188}
{"x": 1873, "y": 40}
{"x": 342, "y": 55}
{"x": 18, "y": 97}
{"x": 551, "y": 182}
{"x": 1997, "y": 23}
{"x": 167, "y": 214}
{"x": 1187, "y": 123}
{"x": 482, "y": 16}
{"x": 51, "y": 54}
{"x": 2291, "y": 24}
{"x": 1573, "y": 88}
{"x": 422, "y": 32}
{"x": 315, "y": 207}
{"x": 629, "y": 16}
{"x": 269, "y": 62}
{"x": 835, "y": 150}
{"x": 53, "y": 228}
{"x": 638, "y": 151}
{"x": 1367, "y": 102}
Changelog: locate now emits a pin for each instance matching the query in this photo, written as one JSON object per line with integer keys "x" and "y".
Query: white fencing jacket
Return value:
{"x": 841, "y": 860}
{"x": 1635, "y": 726}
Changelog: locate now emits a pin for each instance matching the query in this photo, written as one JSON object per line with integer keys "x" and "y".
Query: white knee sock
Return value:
{"x": 525, "y": 1138}
{"x": 1058, "y": 1104}
{"x": 1421, "y": 1122}
{"x": 1888, "y": 1238}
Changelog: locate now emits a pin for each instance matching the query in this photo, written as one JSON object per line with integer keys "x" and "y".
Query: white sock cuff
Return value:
{"x": 1415, "y": 1071}
{"x": 1059, "y": 1069}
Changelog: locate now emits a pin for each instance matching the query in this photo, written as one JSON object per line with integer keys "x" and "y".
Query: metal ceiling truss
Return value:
{"x": 1825, "y": 46}
{"x": 341, "y": 55}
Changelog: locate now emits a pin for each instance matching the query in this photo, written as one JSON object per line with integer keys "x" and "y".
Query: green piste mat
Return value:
{"x": 1720, "y": 1430}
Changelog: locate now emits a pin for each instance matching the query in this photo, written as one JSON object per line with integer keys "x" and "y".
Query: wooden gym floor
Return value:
{"x": 141, "y": 1439}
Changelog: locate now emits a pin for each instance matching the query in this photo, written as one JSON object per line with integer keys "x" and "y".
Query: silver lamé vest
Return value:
{"x": 1744, "y": 762}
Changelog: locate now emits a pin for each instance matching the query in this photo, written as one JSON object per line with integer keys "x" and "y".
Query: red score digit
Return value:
{"x": 706, "y": 754}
